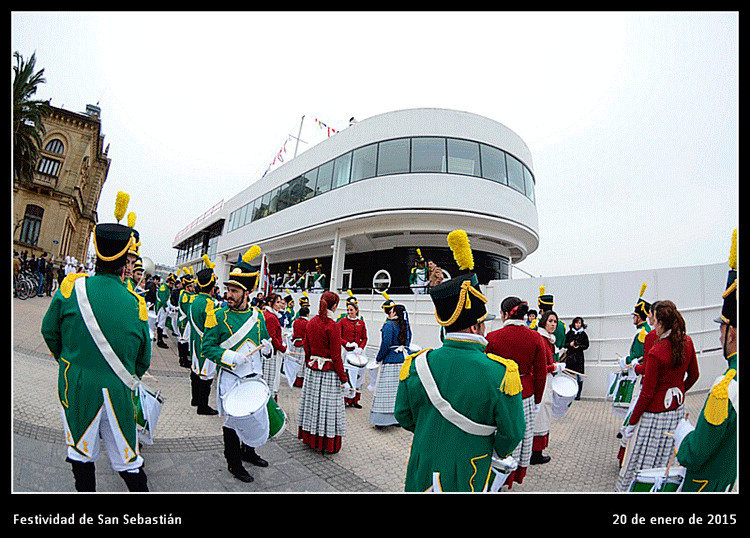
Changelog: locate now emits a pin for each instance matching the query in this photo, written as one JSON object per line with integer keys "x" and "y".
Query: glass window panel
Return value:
{"x": 284, "y": 196}
{"x": 393, "y": 157}
{"x": 230, "y": 224}
{"x": 341, "y": 168}
{"x": 428, "y": 155}
{"x": 493, "y": 164}
{"x": 515, "y": 173}
{"x": 529, "y": 180}
{"x": 325, "y": 176}
{"x": 240, "y": 220}
{"x": 248, "y": 214}
{"x": 265, "y": 202}
{"x": 363, "y": 162}
{"x": 463, "y": 157}
{"x": 308, "y": 186}
{"x": 255, "y": 210}
{"x": 274, "y": 200}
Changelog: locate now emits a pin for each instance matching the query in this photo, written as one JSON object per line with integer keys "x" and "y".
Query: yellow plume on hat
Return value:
{"x": 121, "y": 204}
{"x": 542, "y": 289}
{"x": 458, "y": 241}
{"x": 304, "y": 293}
{"x": 252, "y": 253}
{"x": 350, "y": 293}
{"x": 131, "y": 220}
{"x": 385, "y": 296}
{"x": 643, "y": 288}
{"x": 733, "y": 251}
{"x": 208, "y": 262}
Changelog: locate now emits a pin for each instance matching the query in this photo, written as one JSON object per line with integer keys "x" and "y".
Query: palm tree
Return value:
{"x": 27, "y": 117}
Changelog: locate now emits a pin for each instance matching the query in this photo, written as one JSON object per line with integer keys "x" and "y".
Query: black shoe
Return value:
{"x": 249, "y": 455}
{"x": 356, "y": 405}
{"x": 207, "y": 410}
{"x": 241, "y": 474}
{"x": 162, "y": 345}
{"x": 537, "y": 458}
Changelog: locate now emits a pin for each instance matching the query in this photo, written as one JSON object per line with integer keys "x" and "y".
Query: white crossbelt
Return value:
{"x": 444, "y": 407}
{"x": 238, "y": 336}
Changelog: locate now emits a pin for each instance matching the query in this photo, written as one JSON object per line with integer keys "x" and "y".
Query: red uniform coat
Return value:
{"x": 299, "y": 331}
{"x": 524, "y": 346}
{"x": 274, "y": 330}
{"x": 647, "y": 344}
{"x": 660, "y": 376}
{"x": 353, "y": 330}
{"x": 324, "y": 340}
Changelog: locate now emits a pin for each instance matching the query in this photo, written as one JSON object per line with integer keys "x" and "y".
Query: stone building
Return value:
{"x": 55, "y": 212}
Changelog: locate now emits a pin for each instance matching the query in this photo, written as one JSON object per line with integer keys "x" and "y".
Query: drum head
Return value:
{"x": 565, "y": 386}
{"x": 246, "y": 397}
{"x": 356, "y": 359}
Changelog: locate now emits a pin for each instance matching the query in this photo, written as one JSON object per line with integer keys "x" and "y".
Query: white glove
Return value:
{"x": 623, "y": 364}
{"x": 629, "y": 429}
{"x": 537, "y": 407}
{"x": 236, "y": 359}
{"x": 267, "y": 349}
{"x": 351, "y": 346}
{"x": 634, "y": 363}
{"x": 559, "y": 367}
{"x": 683, "y": 428}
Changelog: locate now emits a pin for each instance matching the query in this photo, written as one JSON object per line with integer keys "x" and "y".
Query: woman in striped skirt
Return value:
{"x": 395, "y": 339}
{"x": 671, "y": 369}
{"x": 321, "y": 417}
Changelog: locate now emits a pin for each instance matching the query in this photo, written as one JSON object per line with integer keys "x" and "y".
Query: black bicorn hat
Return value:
{"x": 458, "y": 302}
{"x": 113, "y": 241}
{"x": 205, "y": 278}
{"x": 243, "y": 274}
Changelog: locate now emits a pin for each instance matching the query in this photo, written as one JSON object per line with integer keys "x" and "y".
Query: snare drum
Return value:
{"x": 624, "y": 391}
{"x": 659, "y": 480}
{"x": 356, "y": 359}
{"x": 148, "y": 408}
{"x": 564, "y": 390}
{"x": 246, "y": 397}
{"x": 276, "y": 418}
{"x": 501, "y": 469}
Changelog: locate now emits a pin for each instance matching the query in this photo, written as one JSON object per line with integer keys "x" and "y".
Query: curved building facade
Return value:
{"x": 363, "y": 201}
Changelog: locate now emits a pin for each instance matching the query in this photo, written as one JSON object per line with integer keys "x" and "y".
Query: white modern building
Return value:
{"x": 363, "y": 201}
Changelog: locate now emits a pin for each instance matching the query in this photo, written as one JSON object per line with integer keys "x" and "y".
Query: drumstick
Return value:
{"x": 566, "y": 370}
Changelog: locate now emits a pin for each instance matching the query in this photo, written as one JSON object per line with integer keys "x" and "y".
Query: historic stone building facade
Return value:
{"x": 55, "y": 213}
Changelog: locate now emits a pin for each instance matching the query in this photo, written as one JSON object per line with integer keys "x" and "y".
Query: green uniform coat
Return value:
{"x": 709, "y": 452}
{"x": 475, "y": 385}
{"x": 201, "y": 307}
{"x": 636, "y": 348}
{"x": 84, "y": 374}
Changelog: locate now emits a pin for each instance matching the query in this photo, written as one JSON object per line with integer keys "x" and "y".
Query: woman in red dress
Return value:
{"x": 321, "y": 417}
{"x": 353, "y": 338}
{"x": 272, "y": 365}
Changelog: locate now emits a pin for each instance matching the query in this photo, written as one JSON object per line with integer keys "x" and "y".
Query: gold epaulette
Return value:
{"x": 404, "y": 372}
{"x": 642, "y": 335}
{"x": 717, "y": 406}
{"x": 142, "y": 306}
{"x": 66, "y": 287}
{"x": 511, "y": 383}
{"x": 210, "y": 315}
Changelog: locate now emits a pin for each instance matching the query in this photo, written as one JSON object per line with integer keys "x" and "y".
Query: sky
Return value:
{"x": 631, "y": 117}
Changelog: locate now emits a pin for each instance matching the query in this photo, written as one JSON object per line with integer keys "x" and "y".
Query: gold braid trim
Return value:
{"x": 131, "y": 241}
{"x": 463, "y": 301}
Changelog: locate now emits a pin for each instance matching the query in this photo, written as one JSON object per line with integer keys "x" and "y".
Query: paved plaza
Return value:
{"x": 187, "y": 455}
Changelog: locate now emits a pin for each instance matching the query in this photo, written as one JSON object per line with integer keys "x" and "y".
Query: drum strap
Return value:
{"x": 444, "y": 407}
{"x": 239, "y": 336}
{"x": 100, "y": 340}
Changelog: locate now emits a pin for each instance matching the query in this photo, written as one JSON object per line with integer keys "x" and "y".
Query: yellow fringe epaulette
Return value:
{"x": 404, "y": 372}
{"x": 210, "y": 315}
{"x": 66, "y": 287}
{"x": 142, "y": 306}
{"x": 642, "y": 335}
{"x": 717, "y": 406}
{"x": 511, "y": 384}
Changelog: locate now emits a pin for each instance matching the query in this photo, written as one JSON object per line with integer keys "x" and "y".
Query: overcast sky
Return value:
{"x": 631, "y": 118}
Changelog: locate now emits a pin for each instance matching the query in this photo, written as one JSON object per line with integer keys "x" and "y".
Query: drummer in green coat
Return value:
{"x": 709, "y": 450}
{"x": 202, "y": 372}
{"x": 97, "y": 407}
{"x": 231, "y": 340}
{"x": 463, "y": 405}
{"x": 186, "y": 296}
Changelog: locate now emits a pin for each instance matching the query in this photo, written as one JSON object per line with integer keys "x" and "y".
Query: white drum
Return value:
{"x": 246, "y": 397}
{"x": 564, "y": 390}
{"x": 356, "y": 359}
{"x": 372, "y": 364}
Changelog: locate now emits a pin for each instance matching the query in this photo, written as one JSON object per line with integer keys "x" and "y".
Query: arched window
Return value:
{"x": 55, "y": 146}
{"x": 382, "y": 280}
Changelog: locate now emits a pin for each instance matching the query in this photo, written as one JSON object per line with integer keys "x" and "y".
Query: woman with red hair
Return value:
{"x": 321, "y": 417}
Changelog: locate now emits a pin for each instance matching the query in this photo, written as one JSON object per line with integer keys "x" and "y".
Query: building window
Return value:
{"x": 55, "y": 146}
{"x": 325, "y": 176}
{"x": 428, "y": 155}
{"x": 48, "y": 167}
{"x": 515, "y": 174}
{"x": 363, "y": 162}
{"x": 393, "y": 157}
{"x": 493, "y": 164}
{"x": 342, "y": 167}
{"x": 529, "y": 181}
{"x": 463, "y": 157}
{"x": 32, "y": 224}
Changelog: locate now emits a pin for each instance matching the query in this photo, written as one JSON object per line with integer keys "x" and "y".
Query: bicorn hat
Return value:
{"x": 113, "y": 241}
{"x": 243, "y": 274}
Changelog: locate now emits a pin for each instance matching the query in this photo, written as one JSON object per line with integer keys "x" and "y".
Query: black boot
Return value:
{"x": 249, "y": 455}
{"x": 84, "y": 475}
{"x": 580, "y": 388}
{"x": 194, "y": 389}
{"x": 233, "y": 455}
{"x": 538, "y": 458}
{"x": 204, "y": 390}
{"x": 184, "y": 351}
{"x": 135, "y": 481}
{"x": 160, "y": 338}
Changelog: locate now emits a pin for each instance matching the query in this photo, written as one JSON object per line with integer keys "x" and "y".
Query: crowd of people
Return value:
{"x": 47, "y": 271}
{"x": 480, "y": 406}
